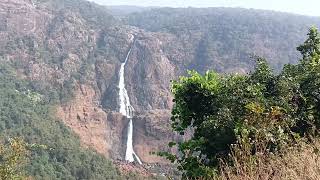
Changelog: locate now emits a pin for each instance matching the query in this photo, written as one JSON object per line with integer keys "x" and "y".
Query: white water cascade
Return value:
{"x": 127, "y": 110}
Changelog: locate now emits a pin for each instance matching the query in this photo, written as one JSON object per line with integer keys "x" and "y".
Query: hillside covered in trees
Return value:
{"x": 25, "y": 113}
{"x": 225, "y": 37}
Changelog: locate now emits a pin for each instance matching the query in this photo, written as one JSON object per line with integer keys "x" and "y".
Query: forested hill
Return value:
{"x": 226, "y": 36}
{"x": 93, "y": 13}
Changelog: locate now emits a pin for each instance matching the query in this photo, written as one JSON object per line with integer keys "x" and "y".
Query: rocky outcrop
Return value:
{"x": 87, "y": 119}
{"x": 149, "y": 72}
{"x": 152, "y": 133}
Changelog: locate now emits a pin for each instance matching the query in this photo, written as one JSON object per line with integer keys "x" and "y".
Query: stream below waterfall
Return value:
{"x": 127, "y": 110}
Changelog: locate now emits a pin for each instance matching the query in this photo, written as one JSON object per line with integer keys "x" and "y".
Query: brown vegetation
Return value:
{"x": 299, "y": 162}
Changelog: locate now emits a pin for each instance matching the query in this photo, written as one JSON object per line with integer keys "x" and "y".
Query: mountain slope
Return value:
{"x": 25, "y": 113}
{"x": 224, "y": 38}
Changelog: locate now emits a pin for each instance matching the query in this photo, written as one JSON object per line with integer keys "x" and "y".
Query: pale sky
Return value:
{"x": 305, "y": 7}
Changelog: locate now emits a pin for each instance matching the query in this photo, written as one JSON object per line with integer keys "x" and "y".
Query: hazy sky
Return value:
{"x": 306, "y": 7}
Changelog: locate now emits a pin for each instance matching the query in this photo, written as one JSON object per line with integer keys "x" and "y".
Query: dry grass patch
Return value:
{"x": 297, "y": 163}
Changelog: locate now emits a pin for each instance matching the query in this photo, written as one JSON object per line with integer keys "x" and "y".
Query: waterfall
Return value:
{"x": 32, "y": 2}
{"x": 127, "y": 110}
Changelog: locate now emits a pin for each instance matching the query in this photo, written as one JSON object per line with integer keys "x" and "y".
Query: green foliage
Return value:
{"x": 311, "y": 46}
{"x": 261, "y": 111}
{"x": 25, "y": 113}
{"x": 12, "y": 157}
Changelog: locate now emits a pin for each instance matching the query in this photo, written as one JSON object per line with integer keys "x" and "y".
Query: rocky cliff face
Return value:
{"x": 73, "y": 55}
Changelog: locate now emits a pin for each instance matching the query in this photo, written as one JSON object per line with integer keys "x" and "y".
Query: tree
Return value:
{"x": 260, "y": 112}
{"x": 12, "y": 157}
{"x": 311, "y": 47}
{"x": 308, "y": 78}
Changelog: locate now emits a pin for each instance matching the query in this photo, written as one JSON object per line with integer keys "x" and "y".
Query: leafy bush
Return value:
{"x": 261, "y": 112}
